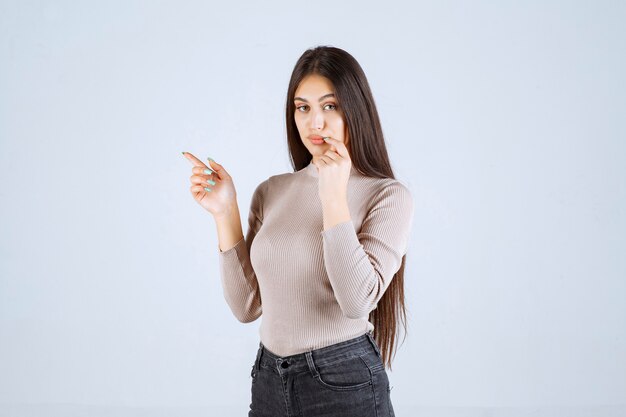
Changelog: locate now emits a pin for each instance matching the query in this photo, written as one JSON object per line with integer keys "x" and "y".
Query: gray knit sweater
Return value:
{"x": 315, "y": 287}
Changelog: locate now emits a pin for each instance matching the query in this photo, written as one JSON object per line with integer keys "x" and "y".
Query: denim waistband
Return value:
{"x": 343, "y": 350}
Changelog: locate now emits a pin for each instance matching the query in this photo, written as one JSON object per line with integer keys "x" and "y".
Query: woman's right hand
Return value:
{"x": 222, "y": 197}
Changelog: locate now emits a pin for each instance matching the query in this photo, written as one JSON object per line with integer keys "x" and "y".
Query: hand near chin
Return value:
{"x": 334, "y": 168}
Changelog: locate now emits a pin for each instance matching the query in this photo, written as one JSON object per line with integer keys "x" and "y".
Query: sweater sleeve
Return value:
{"x": 239, "y": 282}
{"x": 360, "y": 265}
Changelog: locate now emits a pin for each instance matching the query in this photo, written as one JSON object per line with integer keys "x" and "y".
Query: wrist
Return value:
{"x": 334, "y": 213}
{"x": 335, "y": 202}
{"x": 228, "y": 214}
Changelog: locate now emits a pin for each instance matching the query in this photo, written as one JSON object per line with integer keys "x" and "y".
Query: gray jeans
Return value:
{"x": 345, "y": 379}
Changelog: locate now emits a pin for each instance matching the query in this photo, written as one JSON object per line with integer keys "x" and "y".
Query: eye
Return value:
{"x": 334, "y": 107}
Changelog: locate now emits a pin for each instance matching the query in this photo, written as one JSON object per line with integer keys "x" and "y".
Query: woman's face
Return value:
{"x": 318, "y": 114}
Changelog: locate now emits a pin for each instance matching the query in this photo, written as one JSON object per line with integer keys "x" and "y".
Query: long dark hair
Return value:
{"x": 367, "y": 152}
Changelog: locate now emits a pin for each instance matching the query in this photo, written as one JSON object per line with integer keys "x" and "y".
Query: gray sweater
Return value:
{"x": 315, "y": 287}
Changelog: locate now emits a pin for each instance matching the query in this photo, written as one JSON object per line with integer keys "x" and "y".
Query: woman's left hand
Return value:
{"x": 334, "y": 168}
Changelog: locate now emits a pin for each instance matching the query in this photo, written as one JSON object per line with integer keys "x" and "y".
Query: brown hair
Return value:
{"x": 367, "y": 152}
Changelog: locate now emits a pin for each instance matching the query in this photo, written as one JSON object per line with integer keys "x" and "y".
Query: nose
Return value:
{"x": 317, "y": 120}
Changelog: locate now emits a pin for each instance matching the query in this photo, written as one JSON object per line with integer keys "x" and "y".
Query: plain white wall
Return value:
{"x": 506, "y": 120}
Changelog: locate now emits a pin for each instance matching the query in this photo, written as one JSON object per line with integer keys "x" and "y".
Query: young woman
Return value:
{"x": 324, "y": 254}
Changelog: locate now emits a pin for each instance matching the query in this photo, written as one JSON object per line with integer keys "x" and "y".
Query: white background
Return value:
{"x": 505, "y": 119}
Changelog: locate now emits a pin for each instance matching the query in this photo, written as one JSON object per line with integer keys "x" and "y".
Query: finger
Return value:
{"x": 324, "y": 160}
{"x": 203, "y": 171}
{"x": 219, "y": 170}
{"x": 332, "y": 145}
{"x": 333, "y": 155}
{"x": 200, "y": 189}
{"x": 194, "y": 160}
{"x": 199, "y": 179}
{"x": 339, "y": 145}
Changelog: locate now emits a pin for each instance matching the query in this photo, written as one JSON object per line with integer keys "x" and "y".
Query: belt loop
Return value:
{"x": 309, "y": 360}
{"x": 257, "y": 362}
{"x": 373, "y": 342}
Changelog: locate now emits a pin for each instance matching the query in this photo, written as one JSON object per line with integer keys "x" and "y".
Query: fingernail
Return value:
{"x": 208, "y": 189}
{"x": 183, "y": 153}
{"x": 208, "y": 171}
{"x": 210, "y": 159}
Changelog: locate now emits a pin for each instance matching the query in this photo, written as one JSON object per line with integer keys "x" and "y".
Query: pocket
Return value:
{"x": 255, "y": 366}
{"x": 370, "y": 336}
{"x": 345, "y": 375}
{"x": 391, "y": 412}
{"x": 253, "y": 372}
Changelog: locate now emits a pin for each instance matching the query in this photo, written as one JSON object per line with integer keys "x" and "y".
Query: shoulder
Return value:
{"x": 287, "y": 176}
{"x": 284, "y": 182}
{"x": 277, "y": 182}
{"x": 391, "y": 194}
{"x": 394, "y": 186}
{"x": 261, "y": 188}
{"x": 390, "y": 189}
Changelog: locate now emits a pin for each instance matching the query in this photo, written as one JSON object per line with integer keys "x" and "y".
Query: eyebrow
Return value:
{"x": 321, "y": 98}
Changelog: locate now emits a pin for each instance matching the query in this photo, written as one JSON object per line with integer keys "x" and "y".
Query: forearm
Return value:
{"x": 229, "y": 229}
{"x": 361, "y": 263}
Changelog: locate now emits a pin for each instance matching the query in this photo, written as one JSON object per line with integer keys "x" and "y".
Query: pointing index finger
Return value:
{"x": 194, "y": 160}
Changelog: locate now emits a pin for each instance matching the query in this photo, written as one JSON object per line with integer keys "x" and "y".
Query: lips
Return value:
{"x": 317, "y": 140}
